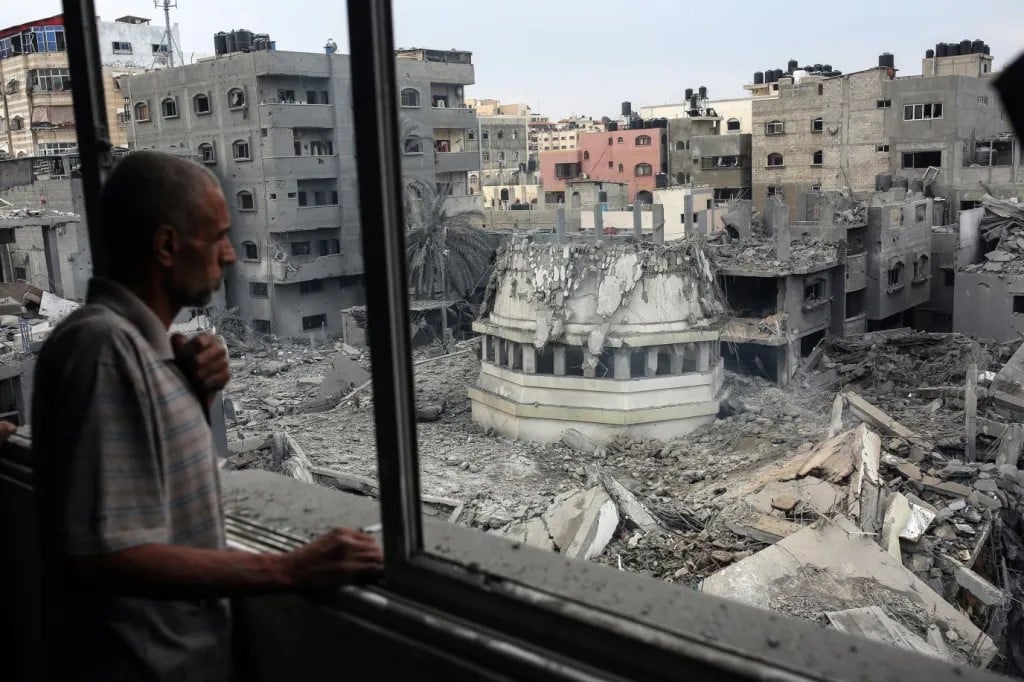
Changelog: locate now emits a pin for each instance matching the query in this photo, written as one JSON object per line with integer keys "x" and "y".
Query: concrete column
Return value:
{"x": 515, "y": 358}
{"x": 622, "y": 364}
{"x": 496, "y": 346}
{"x": 638, "y": 229}
{"x": 598, "y": 222}
{"x": 500, "y": 352}
{"x": 588, "y": 371}
{"x": 559, "y": 353}
{"x": 658, "y": 223}
{"x": 651, "y": 366}
{"x": 703, "y": 356}
{"x": 529, "y": 353}
{"x": 778, "y": 217}
{"x": 560, "y": 224}
{"x": 676, "y": 358}
{"x": 485, "y": 348}
{"x": 688, "y": 215}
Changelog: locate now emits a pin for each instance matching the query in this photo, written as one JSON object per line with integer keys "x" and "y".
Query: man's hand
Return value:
{"x": 340, "y": 557}
{"x": 204, "y": 360}
{"x": 6, "y": 429}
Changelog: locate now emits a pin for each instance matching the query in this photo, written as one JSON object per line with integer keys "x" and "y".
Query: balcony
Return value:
{"x": 298, "y": 115}
{"x": 315, "y": 268}
{"x": 443, "y": 117}
{"x": 306, "y": 167}
{"x": 290, "y": 219}
{"x": 452, "y": 162}
{"x": 856, "y": 272}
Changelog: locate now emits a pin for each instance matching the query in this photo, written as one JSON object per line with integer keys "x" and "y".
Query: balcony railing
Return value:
{"x": 298, "y": 115}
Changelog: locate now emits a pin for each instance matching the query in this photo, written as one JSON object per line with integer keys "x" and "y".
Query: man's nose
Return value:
{"x": 227, "y": 255}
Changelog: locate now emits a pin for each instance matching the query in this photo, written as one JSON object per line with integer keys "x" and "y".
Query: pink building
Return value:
{"x": 629, "y": 156}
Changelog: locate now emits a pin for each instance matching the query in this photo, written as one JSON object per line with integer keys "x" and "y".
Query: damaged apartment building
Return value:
{"x": 822, "y": 130}
{"x": 861, "y": 265}
{"x": 37, "y": 116}
{"x": 276, "y": 128}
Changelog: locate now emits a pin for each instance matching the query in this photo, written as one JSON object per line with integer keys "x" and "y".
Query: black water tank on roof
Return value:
{"x": 827, "y": 68}
{"x": 243, "y": 40}
{"x": 613, "y": 126}
{"x": 688, "y": 94}
{"x": 778, "y": 74}
{"x": 627, "y": 108}
{"x": 887, "y": 60}
{"x": 978, "y": 47}
{"x": 703, "y": 92}
{"x": 818, "y": 68}
{"x": 929, "y": 53}
{"x": 883, "y": 183}
{"x": 693, "y": 102}
{"x": 987, "y": 50}
{"x": 792, "y": 66}
{"x": 220, "y": 43}
{"x": 229, "y": 43}
{"x": 941, "y": 50}
{"x": 758, "y": 77}
{"x": 901, "y": 182}
{"x": 953, "y": 49}
{"x": 965, "y": 47}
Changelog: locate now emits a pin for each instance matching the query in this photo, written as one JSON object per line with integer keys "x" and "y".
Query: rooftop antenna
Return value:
{"x": 166, "y": 6}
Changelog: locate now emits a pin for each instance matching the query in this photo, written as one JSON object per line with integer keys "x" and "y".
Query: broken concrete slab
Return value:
{"x": 987, "y": 593}
{"x": 823, "y": 497}
{"x": 903, "y": 519}
{"x": 909, "y": 471}
{"x": 947, "y": 488}
{"x": 629, "y": 506}
{"x": 863, "y": 501}
{"x": 761, "y": 527}
{"x": 831, "y": 563}
{"x": 784, "y": 502}
{"x": 878, "y": 419}
{"x": 532, "y": 533}
{"x": 246, "y": 444}
{"x": 578, "y": 441}
{"x": 871, "y": 622}
{"x": 582, "y": 522}
{"x": 344, "y": 375}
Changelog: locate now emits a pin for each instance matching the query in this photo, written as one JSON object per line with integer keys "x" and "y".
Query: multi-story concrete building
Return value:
{"x": 700, "y": 154}
{"x": 736, "y": 115}
{"x": 36, "y": 116}
{"x": 276, "y": 127}
{"x": 823, "y": 131}
{"x": 633, "y": 156}
{"x": 433, "y": 107}
{"x": 507, "y": 174}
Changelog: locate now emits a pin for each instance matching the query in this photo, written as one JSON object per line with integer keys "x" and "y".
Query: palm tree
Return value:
{"x": 444, "y": 248}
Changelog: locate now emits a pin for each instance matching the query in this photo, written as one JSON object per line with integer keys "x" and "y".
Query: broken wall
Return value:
{"x": 984, "y": 305}
{"x": 898, "y": 233}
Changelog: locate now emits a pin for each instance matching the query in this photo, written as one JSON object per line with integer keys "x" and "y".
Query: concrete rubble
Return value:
{"x": 1002, "y": 236}
{"x": 875, "y": 497}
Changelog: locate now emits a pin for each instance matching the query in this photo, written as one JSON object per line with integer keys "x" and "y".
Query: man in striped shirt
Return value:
{"x": 132, "y": 525}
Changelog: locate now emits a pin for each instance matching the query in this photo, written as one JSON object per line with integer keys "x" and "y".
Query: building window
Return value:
{"x": 821, "y": 89}
{"x": 485, "y": 135}
{"x": 50, "y": 80}
{"x": 815, "y": 188}
{"x": 817, "y": 158}
{"x": 311, "y": 287}
{"x": 515, "y": 134}
{"x": 921, "y": 268}
{"x": 414, "y": 145}
{"x": 816, "y": 125}
{"x": 17, "y": 123}
{"x": 732, "y": 125}
{"x": 611, "y": 164}
{"x": 141, "y": 111}
{"x": 643, "y": 140}
{"x": 643, "y": 169}
{"x": 486, "y": 156}
{"x": 922, "y": 159}
{"x": 20, "y": 274}
{"x": 330, "y": 247}
{"x": 240, "y": 150}
{"x": 201, "y": 104}
{"x": 922, "y": 112}
{"x": 314, "y": 322}
{"x": 682, "y": 178}
{"x": 410, "y": 98}
{"x": 948, "y": 277}
{"x": 250, "y": 251}
{"x": 775, "y": 160}
{"x": 586, "y": 156}
{"x": 989, "y": 153}
{"x": 302, "y": 198}
{"x": 245, "y": 201}
{"x": 207, "y": 154}
{"x": 883, "y": 103}
{"x": 609, "y": 140}
{"x": 774, "y": 191}
{"x": 515, "y": 156}
{"x": 814, "y": 291}
{"x": 286, "y": 96}
{"x": 619, "y": 140}
{"x": 621, "y": 168}
{"x": 774, "y": 128}
{"x": 261, "y": 326}
{"x": 982, "y": 100}
{"x": 258, "y": 289}
{"x": 46, "y": 39}
{"x": 920, "y": 213}
{"x": 470, "y": 134}
{"x": 501, "y": 156}
{"x": 236, "y": 98}
{"x": 501, "y": 134}
{"x": 882, "y": 148}
{"x": 121, "y": 47}
{"x": 300, "y": 248}
{"x": 158, "y": 48}
{"x": 169, "y": 108}
{"x": 896, "y": 275}
{"x": 680, "y": 145}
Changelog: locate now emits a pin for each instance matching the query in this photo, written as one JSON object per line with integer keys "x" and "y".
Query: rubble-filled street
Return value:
{"x": 862, "y": 459}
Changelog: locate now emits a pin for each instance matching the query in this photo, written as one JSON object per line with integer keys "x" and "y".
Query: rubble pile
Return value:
{"x": 1002, "y": 234}
{"x": 759, "y": 253}
{"x": 847, "y": 210}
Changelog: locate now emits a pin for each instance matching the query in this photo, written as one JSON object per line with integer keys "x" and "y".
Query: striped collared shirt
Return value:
{"x": 126, "y": 458}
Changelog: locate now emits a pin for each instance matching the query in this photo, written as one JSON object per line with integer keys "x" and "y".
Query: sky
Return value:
{"x": 565, "y": 58}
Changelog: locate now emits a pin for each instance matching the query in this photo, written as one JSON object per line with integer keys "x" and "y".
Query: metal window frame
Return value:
{"x": 470, "y": 615}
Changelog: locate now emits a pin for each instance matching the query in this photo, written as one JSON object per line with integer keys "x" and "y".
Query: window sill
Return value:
{"x": 247, "y": 210}
{"x": 241, "y": 158}
{"x": 143, "y": 120}
{"x": 203, "y": 113}
{"x": 817, "y": 132}
{"x": 893, "y": 288}
{"x": 816, "y": 304}
{"x": 817, "y": 165}
{"x": 167, "y": 118}
{"x": 774, "y": 134}
{"x": 771, "y": 167}
{"x": 236, "y": 108}
{"x": 920, "y": 280}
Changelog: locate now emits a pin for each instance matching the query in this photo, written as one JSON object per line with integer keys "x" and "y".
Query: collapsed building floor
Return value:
{"x": 765, "y": 496}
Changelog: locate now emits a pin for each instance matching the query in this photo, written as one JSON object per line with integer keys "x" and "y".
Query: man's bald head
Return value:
{"x": 148, "y": 190}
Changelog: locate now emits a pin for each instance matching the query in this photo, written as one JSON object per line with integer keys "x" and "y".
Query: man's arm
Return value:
{"x": 159, "y": 571}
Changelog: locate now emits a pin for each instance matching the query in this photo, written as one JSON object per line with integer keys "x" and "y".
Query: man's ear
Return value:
{"x": 165, "y": 245}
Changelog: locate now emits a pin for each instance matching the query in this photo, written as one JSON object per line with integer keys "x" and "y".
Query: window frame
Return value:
{"x": 135, "y": 111}
{"x": 638, "y": 143}
{"x": 240, "y": 201}
{"x": 925, "y": 109}
{"x": 775, "y": 155}
{"x": 643, "y": 170}
{"x": 201, "y": 149}
{"x": 817, "y": 124}
{"x": 775, "y": 127}
{"x": 419, "y": 100}
{"x": 195, "y": 104}
{"x": 463, "y": 604}
{"x": 173, "y": 101}
{"x": 234, "y": 150}
{"x": 241, "y": 104}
